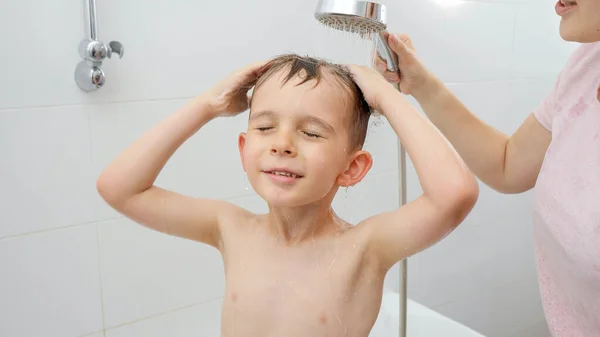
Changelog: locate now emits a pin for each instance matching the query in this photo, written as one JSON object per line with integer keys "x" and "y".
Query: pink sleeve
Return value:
{"x": 546, "y": 110}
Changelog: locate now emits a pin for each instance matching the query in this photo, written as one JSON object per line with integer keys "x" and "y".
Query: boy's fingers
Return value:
{"x": 381, "y": 66}
{"x": 392, "y": 77}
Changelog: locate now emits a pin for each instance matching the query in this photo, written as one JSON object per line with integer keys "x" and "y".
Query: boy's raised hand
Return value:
{"x": 230, "y": 96}
{"x": 374, "y": 86}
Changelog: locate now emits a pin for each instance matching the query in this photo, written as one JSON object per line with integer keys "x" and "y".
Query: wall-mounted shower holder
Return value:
{"x": 89, "y": 75}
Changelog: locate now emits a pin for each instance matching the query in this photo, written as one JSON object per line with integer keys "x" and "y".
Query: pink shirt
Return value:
{"x": 567, "y": 199}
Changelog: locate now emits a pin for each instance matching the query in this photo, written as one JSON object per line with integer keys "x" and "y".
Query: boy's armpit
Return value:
{"x": 398, "y": 234}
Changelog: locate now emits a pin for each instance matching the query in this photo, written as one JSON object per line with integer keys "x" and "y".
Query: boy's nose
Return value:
{"x": 283, "y": 146}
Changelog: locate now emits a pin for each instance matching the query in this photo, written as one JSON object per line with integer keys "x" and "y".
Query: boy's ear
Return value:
{"x": 241, "y": 144}
{"x": 357, "y": 169}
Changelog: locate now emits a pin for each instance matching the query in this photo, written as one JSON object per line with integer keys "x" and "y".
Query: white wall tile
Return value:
{"x": 539, "y": 50}
{"x": 527, "y": 95}
{"x": 207, "y": 165}
{"x": 357, "y": 203}
{"x": 50, "y": 286}
{"x": 538, "y": 330}
{"x": 498, "y": 311}
{"x": 470, "y": 41}
{"x": 489, "y": 101}
{"x": 473, "y": 256}
{"x": 200, "y": 320}
{"x": 146, "y": 273}
{"x": 45, "y": 169}
{"x": 41, "y": 40}
{"x": 382, "y": 144}
{"x": 99, "y": 334}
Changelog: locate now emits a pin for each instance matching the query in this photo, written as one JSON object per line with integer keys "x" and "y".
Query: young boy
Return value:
{"x": 299, "y": 270}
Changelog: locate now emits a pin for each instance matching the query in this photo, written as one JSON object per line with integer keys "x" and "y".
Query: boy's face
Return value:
{"x": 297, "y": 147}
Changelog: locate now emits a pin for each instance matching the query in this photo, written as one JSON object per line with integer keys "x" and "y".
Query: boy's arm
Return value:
{"x": 450, "y": 190}
{"x": 127, "y": 184}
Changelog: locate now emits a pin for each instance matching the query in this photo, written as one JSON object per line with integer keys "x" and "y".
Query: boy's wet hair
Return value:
{"x": 310, "y": 68}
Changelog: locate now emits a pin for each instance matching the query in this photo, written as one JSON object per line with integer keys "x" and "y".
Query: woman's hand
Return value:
{"x": 374, "y": 87}
{"x": 414, "y": 79}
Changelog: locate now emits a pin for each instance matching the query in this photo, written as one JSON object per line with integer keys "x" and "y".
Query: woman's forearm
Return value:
{"x": 482, "y": 147}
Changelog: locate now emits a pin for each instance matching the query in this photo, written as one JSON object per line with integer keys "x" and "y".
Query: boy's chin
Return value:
{"x": 284, "y": 200}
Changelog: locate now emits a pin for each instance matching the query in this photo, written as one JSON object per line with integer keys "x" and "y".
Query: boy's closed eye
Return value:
{"x": 311, "y": 134}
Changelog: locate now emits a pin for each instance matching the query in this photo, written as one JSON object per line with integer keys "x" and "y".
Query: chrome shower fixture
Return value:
{"x": 89, "y": 75}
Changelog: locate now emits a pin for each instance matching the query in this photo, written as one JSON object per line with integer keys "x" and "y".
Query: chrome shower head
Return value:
{"x": 367, "y": 19}
{"x": 361, "y": 17}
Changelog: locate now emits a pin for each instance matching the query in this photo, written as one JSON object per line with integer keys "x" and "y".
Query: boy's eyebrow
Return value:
{"x": 255, "y": 115}
{"x": 321, "y": 122}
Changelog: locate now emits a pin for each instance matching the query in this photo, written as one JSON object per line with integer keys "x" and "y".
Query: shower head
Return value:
{"x": 361, "y": 17}
{"x": 367, "y": 19}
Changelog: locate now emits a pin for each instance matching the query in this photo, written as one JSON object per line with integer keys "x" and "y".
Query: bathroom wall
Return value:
{"x": 72, "y": 266}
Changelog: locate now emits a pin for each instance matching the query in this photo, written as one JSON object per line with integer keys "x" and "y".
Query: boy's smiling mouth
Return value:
{"x": 283, "y": 175}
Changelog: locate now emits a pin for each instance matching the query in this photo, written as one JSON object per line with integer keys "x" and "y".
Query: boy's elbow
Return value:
{"x": 108, "y": 189}
{"x": 467, "y": 196}
{"x": 462, "y": 200}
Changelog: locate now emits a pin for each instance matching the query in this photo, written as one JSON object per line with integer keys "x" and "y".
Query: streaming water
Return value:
{"x": 350, "y": 47}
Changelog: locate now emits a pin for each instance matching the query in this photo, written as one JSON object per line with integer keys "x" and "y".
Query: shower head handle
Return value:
{"x": 386, "y": 53}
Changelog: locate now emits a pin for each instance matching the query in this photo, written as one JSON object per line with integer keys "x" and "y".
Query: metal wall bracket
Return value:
{"x": 89, "y": 75}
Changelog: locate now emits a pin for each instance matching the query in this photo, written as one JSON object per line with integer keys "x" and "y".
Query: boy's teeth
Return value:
{"x": 286, "y": 174}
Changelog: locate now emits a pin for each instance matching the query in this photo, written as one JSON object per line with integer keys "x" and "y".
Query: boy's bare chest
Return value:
{"x": 316, "y": 287}
{"x": 275, "y": 274}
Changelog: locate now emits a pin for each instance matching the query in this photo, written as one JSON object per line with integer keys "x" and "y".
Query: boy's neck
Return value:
{"x": 297, "y": 224}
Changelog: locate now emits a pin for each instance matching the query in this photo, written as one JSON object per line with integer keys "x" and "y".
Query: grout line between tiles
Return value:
{"x": 100, "y": 279}
{"x": 43, "y": 106}
{"x": 163, "y": 313}
{"x": 59, "y": 228}
{"x": 514, "y": 43}
{"x": 93, "y": 333}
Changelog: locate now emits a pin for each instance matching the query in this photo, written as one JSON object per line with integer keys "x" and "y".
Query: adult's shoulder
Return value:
{"x": 584, "y": 60}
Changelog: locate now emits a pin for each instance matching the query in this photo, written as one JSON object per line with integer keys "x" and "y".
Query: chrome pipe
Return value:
{"x": 403, "y": 270}
{"x": 89, "y": 75}
{"x": 92, "y": 19}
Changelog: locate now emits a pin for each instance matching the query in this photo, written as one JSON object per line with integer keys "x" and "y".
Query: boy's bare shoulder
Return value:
{"x": 234, "y": 221}
{"x": 233, "y": 216}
